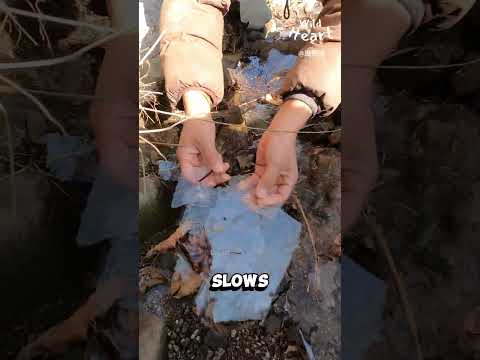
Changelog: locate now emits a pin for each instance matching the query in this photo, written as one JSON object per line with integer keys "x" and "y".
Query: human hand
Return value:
{"x": 197, "y": 154}
{"x": 276, "y": 170}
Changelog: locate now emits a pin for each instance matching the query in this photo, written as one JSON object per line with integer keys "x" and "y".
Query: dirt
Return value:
{"x": 426, "y": 198}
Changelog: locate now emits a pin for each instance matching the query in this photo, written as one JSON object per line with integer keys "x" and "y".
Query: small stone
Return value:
{"x": 194, "y": 335}
{"x": 209, "y": 354}
{"x": 247, "y": 351}
{"x": 176, "y": 348}
{"x": 273, "y": 324}
{"x": 214, "y": 340}
{"x": 198, "y": 338}
{"x": 184, "y": 341}
{"x": 233, "y": 333}
{"x": 267, "y": 356}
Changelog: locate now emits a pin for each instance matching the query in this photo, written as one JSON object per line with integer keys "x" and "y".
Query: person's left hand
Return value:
{"x": 276, "y": 170}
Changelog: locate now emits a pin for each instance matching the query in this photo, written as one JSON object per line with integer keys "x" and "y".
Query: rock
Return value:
{"x": 214, "y": 340}
{"x": 233, "y": 333}
{"x": 273, "y": 324}
{"x": 194, "y": 334}
{"x": 209, "y": 354}
{"x": 255, "y": 13}
{"x": 152, "y": 337}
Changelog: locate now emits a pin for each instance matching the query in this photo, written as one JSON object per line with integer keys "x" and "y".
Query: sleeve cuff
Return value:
{"x": 307, "y": 100}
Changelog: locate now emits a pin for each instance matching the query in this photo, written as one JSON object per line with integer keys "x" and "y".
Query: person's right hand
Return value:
{"x": 198, "y": 155}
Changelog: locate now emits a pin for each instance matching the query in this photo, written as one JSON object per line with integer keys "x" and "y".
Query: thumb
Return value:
{"x": 212, "y": 158}
{"x": 267, "y": 182}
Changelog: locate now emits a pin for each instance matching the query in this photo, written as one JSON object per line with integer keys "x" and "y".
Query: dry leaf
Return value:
{"x": 171, "y": 242}
{"x": 149, "y": 277}
{"x": 185, "y": 285}
{"x": 198, "y": 252}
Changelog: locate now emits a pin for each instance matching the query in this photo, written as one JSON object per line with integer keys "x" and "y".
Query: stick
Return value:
{"x": 399, "y": 283}
{"x": 10, "y": 10}
{"x": 58, "y": 60}
{"x": 37, "y": 102}
{"x": 11, "y": 154}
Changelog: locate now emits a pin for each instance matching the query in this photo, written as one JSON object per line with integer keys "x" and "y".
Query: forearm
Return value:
{"x": 291, "y": 117}
{"x": 191, "y": 48}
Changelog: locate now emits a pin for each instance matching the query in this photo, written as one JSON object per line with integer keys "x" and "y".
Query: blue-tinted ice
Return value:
{"x": 242, "y": 241}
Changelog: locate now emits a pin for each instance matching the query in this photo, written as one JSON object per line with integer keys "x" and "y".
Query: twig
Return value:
{"x": 21, "y": 30}
{"x": 415, "y": 67}
{"x": 151, "y": 92}
{"x": 171, "y": 241}
{"x": 309, "y": 229}
{"x": 165, "y": 129}
{"x": 10, "y": 10}
{"x": 11, "y": 154}
{"x": 10, "y": 90}
{"x": 223, "y": 123}
{"x": 37, "y": 102}
{"x": 154, "y": 147}
{"x": 152, "y": 47}
{"x": 42, "y": 29}
{"x": 58, "y": 60}
{"x": 399, "y": 283}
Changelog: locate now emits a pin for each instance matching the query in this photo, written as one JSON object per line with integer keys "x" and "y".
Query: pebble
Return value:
{"x": 184, "y": 342}
{"x": 214, "y": 340}
{"x": 273, "y": 324}
{"x": 233, "y": 333}
{"x": 194, "y": 335}
{"x": 209, "y": 354}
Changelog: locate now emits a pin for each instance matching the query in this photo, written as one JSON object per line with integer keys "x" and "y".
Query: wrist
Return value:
{"x": 291, "y": 118}
{"x": 196, "y": 103}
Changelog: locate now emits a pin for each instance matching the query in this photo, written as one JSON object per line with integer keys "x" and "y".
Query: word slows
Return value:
{"x": 246, "y": 282}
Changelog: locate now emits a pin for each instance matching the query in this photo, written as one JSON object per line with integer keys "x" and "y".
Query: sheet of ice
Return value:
{"x": 63, "y": 152}
{"x": 265, "y": 75}
{"x": 242, "y": 241}
{"x": 167, "y": 170}
{"x": 363, "y": 299}
{"x": 189, "y": 194}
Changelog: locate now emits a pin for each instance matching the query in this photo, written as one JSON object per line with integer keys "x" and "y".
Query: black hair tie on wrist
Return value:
{"x": 286, "y": 10}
